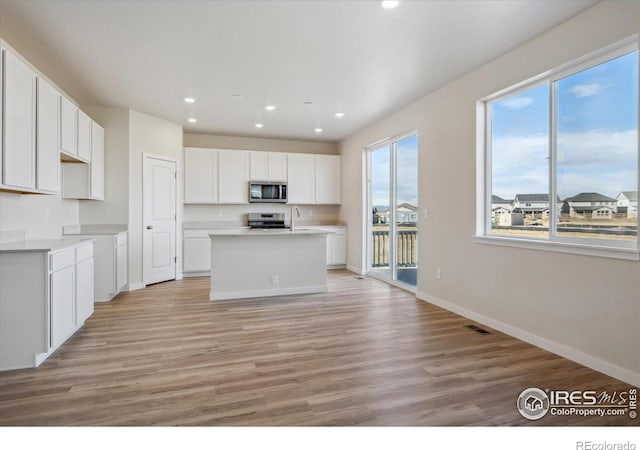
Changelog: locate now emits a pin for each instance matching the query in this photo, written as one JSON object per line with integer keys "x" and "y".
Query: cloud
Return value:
{"x": 586, "y": 90}
{"x": 516, "y": 103}
{"x": 594, "y": 161}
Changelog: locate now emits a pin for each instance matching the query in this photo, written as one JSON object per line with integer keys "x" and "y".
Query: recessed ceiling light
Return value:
{"x": 236, "y": 96}
{"x": 318, "y": 130}
{"x": 308, "y": 104}
{"x": 339, "y": 115}
{"x": 270, "y": 107}
{"x": 390, "y": 4}
{"x": 259, "y": 125}
{"x": 189, "y": 100}
{"x": 192, "y": 119}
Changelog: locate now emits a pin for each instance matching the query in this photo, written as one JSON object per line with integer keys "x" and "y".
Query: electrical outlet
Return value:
{"x": 274, "y": 280}
{"x": 438, "y": 273}
{"x": 425, "y": 213}
{"x": 310, "y": 212}
{"x": 219, "y": 212}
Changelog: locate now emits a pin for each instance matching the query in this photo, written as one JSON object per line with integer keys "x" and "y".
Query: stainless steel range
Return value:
{"x": 266, "y": 220}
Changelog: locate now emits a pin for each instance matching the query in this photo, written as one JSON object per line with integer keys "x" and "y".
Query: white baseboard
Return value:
{"x": 355, "y": 269}
{"x": 570, "y": 353}
{"x": 134, "y": 287}
{"x": 206, "y": 273}
{"x": 267, "y": 292}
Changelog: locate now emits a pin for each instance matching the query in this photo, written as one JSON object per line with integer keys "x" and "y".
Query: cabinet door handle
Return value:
{"x": 149, "y": 227}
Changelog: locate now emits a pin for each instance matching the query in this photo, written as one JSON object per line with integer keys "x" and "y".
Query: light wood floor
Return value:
{"x": 363, "y": 354}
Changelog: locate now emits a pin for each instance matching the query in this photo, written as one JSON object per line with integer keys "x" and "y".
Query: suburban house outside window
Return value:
{"x": 560, "y": 157}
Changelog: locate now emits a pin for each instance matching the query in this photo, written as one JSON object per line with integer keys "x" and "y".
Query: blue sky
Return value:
{"x": 597, "y": 119}
{"x": 407, "y": 177}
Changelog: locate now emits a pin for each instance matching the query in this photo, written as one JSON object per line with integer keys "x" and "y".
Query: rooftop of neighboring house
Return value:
{"x": 496, "y": 199}
{"x": 532, "y": 198}
{"x": 408, "y": 206}
{"x": 589, "y": 197}
{"x": 630, "y": 195}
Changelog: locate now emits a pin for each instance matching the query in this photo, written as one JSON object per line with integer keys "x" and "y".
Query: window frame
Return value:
{"x": 552, "y": 242}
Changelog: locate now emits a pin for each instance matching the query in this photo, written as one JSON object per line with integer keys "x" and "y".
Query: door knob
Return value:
{"x": 149, "y": 227}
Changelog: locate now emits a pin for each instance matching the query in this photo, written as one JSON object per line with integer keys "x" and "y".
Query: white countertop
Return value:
{"x": 260, "y": 232}
{"x": 40, "y": 245}
{"x": 97, "y": 229}
{"x": 216, "y": 225}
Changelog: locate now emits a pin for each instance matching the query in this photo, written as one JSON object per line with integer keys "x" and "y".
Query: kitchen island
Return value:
{"x": 249, "y": 263}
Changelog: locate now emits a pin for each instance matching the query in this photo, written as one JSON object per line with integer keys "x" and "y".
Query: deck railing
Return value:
{"x": 405, "y": 245}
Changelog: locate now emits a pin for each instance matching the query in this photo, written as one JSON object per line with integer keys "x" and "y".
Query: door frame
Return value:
{"x": 368, "y": 213}
{"x": 178, "y": 222}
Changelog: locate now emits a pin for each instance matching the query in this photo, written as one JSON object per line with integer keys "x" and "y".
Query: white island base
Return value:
{"x": 265, "y": 263}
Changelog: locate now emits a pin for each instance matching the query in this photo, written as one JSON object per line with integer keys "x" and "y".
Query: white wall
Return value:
{"x": 586, "y": 308}
{"x": 236, "y": 214}
{"x": 148, "y": 134}
{"x": 40, "y": 216}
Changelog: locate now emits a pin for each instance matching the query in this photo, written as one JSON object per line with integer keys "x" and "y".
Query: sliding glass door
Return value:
{"x": 393, "y": 206}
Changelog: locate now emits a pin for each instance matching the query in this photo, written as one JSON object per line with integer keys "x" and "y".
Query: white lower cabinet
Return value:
{"x": 122, "y": 266}
{"x": 63, "y": 298}
{"x": 46, "y": 294}
{"x": 111, "y": 255}
{"x": 196, "y": 258}
{"x": 336, "y": 245}
{"x": 196, "y": 247}
{"x": 84, "y": 290}
{"x": 338, "y": 250}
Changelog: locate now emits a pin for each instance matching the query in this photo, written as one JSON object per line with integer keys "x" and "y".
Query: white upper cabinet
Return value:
{"x": 86, "y": 181}
{"x": 218, "y": 176}
{"x": 259, "y": 166}
{"x": 40, "y": 127}
{"x": 268, "y": 166}
{"x": 277, "y": 166}
{"x": 97, "y": 162}
{"x": 301, "y": 178}
{"x": 328, "y": 180}
{"x": 233, "y": 176}
{"x": 68, "y": 127}
{"x": 19, "y": 117}
{"x": 48, "y": 157}
{"x": 84, "y": 136}
{"x": 201, "y": 175}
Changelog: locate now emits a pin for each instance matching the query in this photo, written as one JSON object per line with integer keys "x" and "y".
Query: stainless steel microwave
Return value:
{"x": 267, "y": 192}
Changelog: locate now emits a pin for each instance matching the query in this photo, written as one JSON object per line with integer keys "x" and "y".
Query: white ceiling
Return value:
{"x": 349, "y": 56}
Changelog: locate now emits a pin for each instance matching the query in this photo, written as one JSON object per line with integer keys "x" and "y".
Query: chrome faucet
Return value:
{"x": 297, "y": 212}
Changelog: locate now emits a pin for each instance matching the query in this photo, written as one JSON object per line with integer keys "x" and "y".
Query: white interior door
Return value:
{"x": 159, "y": 214}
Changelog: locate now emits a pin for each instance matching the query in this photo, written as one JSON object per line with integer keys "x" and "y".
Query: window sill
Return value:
{"x": 561, "y": 247}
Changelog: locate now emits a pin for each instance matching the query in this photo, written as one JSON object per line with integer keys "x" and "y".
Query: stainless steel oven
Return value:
{"x": 267, "y": 192}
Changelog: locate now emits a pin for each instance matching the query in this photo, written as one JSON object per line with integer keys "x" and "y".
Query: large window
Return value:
{"x": 561, "y": 157}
